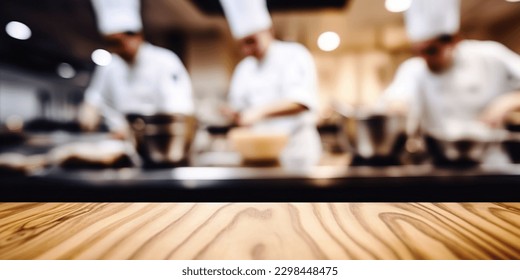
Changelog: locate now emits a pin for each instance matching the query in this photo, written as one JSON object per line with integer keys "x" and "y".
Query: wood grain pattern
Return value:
{"x": 260, "y": 231}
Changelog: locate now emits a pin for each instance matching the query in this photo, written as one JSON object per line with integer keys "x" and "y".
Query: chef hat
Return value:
{"x": 246, "y": 17}
{"x": 427, "y": 19}
{"x": 116, "y": 16}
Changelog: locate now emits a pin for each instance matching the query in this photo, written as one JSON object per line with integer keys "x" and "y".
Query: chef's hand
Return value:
{"x": 250, "y": 117}
{"x": 88, "y": 117}
{"x": 229, "y": 113}
{"x": 494, "y": 115}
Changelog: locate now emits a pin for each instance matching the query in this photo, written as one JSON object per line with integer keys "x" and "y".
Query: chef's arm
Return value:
{"x": 278, "y": 109}
{"x": 88, "y": 117}
{"x": 496, "y": 113}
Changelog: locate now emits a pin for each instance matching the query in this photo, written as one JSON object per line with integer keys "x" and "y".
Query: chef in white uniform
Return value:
{"x": 451, "y": 80}
{"x": 141, "y": 78}
{"x": 275, "y": 86}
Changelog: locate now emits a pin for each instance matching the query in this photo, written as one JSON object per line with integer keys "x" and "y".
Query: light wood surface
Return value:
{"x": 259, "y": 231}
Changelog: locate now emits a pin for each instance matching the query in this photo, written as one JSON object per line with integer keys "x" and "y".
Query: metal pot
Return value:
{"x": 163, "y": 139}
{"x": 512, "y": 146}
{"x": 375, "y": 136}
{"x": 456, "y": 152}
{"x": 463, "y": 144}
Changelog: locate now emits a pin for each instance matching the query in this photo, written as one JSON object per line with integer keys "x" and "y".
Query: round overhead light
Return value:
{"x": 397, "y": 6}
{"x": 66, "y": 71}
{"x": 512, "y": 1}
{"x": 18, "y": 30}
{"x": 101, "y": 57}
{"x": 328, "y": 41}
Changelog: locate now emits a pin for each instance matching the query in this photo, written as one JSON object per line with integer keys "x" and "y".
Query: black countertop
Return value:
{"x": 242, "y": 184}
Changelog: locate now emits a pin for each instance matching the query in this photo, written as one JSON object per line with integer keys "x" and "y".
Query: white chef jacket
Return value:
{"x": 286, "y": 73}
{"x": 481, "y": 71}
{"x": 156, "y": 83}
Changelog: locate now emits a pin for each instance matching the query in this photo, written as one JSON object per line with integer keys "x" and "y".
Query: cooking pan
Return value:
{"x": 163, "y": 140}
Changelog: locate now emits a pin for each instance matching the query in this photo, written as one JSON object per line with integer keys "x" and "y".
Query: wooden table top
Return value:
{"x": 259, "y": 231}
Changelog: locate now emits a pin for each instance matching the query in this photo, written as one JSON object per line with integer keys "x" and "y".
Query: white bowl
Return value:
{"x": 254, "y": 145}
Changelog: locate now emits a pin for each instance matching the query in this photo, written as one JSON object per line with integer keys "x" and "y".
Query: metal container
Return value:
{"x": 456, "y": 152}
{"x": 463, "y": 143}
{"x": 512, "y": 146}
{"x": 375, "y": 136}
{"x": 163, "y": 139}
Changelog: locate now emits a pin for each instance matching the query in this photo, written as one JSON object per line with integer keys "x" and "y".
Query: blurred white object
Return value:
{"x": 397, "y": 6}
{"x": 18, "y": 30}
{"x": 66, "y": 71}
{"x": 470, "y": 130}
{"x": 117, "y": 16}
{"x": 101, "y": 57}
{"x": 427, "y": 19}
{"x": 246, "y": 17}
{"x": 328, "y": 41}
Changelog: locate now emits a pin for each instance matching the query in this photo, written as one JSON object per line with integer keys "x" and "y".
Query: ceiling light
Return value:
{"x": 397, "y": 6}
{"x": 66, "y": 71}
{"x": 18, "y": 30}
{"x": 328, "y": 41}
{"x": 101, "y": 57}
{"x": 512, "y": 1}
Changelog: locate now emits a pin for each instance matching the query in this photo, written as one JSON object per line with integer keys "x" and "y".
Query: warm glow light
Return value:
{"x": 397, "y": 6}
{"x": 101, "y": 57}
{"x": 328, "y": 41}
{"x": 18, "y": 30}
{"x": 512, "y": 1}
{"x": 14, "y": 123}
{"x": 66, "y": 71}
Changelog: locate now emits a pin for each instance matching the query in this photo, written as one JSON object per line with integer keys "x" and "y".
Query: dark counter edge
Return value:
{"x": 478, "y": 188}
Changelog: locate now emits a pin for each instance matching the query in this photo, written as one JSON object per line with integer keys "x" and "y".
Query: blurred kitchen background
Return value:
{"x": 49, "y": 49}
{"x": 44, "y": 69}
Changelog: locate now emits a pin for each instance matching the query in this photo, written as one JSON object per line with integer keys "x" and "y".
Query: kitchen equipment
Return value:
{"x": 462, "y": 144}
{"x": 12, "y": 131}
{"x": 512, "y": 146}
{"x": 374, "y": 137}
{"x": 258, "y": 147}
{"x": 20, "y": 164}
{"x": 94, "y": 155}
{"x": 512, "y": 122}
{"x": 456, "y": 152}
{"x": 163, "y": 140}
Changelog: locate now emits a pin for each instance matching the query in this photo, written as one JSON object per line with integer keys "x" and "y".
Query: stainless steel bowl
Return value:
{"x": 456, "y": 152}
{"x": 375, "y": 136}
{"x": 163, "y": 139}
{"x": 468, "y": 143}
